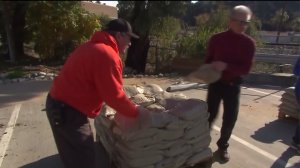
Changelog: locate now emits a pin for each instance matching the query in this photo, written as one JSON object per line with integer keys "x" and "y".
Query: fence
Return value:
{"x": 270, "y": 53}
{"x": 278, "y": 53}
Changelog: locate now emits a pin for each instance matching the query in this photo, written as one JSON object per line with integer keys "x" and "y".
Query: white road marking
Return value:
{"x": 261, "y": 92}
{"x": 256, "y": 149}
{"x": 8, "y": 132}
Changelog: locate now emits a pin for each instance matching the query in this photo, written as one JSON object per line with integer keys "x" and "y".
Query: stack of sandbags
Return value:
{"x": 181, "y": 140}
{"x": 289, "y": 105}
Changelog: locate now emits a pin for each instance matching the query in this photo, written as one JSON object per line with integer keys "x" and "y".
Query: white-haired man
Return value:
{"x": 230, "y": 52}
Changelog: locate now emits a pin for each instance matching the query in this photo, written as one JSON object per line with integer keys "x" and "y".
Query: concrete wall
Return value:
{"x": 100, "y": 9}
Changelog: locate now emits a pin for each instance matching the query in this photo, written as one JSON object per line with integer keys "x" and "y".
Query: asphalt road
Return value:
{"x": 259, "y": 140}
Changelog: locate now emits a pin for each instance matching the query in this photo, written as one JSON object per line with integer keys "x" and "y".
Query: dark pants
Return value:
{"x": 72, "y": 133}
{"x": 230, "y": 94}
{"x": 296, "y": 137}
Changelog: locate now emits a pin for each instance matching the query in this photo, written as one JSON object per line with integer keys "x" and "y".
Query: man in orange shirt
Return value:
{"x": 91, "y": 76}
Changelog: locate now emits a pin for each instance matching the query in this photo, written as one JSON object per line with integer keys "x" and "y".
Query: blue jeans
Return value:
{"x": 296, "y": 137}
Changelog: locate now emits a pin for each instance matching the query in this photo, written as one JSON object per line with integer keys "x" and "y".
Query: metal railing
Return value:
{"x": 278, "y": 53}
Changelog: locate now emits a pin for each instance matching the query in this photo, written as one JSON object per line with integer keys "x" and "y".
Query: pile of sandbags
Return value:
{"x": 289, "y": 105}
{"x": 181, "y": 141}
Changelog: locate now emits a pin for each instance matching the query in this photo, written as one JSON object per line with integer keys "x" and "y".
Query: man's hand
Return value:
{"x": 130, "y": 124}
{"x": 125, "y": 123}
{"x": 219, "y": 65}
{"x": 145, "y": 119}
{"x": 153, "y": 119}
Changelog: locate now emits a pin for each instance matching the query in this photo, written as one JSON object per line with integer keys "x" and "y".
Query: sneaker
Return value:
{"x": 224, "y": 155}
{"x": 296, "y": 147}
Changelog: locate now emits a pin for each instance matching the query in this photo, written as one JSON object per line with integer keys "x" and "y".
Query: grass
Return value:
{"x": 15, "y": 73}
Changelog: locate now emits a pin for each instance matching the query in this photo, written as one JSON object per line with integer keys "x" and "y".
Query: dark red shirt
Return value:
{"x": 237, "y": 50}
{"x": 91, "y": 76}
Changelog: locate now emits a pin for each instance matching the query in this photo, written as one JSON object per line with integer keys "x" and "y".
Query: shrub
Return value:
{"x": 194, "y": 44}
{"x": 59, "y": 26}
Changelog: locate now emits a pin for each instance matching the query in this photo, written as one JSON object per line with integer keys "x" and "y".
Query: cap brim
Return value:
{"x": 134, "y": 35}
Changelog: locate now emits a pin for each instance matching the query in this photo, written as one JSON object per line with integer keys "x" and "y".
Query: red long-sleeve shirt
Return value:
{"x": 93, "y": 75}
{"x": 237, "y": 50}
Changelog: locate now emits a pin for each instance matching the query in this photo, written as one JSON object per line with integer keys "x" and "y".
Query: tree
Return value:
{"x": 58, "y": 27}
{"x": 295, "y": 24}
{"x": 196, "y": 9}
{"x": 279, "y": 19}
{"x": 194, "y": 45}
{"x": 163, "y": 34}
{"x": 7, "y": 14}
{"x": 13, "y": 13}
{"x": 142, "y": 14}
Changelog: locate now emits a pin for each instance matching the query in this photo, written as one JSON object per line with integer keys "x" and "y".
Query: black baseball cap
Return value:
{"x": 120, "y": 25}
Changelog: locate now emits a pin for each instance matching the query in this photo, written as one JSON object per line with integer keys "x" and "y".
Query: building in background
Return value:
{"x": 100, "y": 9}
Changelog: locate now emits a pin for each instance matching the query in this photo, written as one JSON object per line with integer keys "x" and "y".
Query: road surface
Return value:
{"x": 259, "y": 140}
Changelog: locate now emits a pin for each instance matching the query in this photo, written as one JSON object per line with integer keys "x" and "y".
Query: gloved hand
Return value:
{"x": 125, "y": 123}
{"x": 131, "y": 124}
{"x": 145, "y": 119}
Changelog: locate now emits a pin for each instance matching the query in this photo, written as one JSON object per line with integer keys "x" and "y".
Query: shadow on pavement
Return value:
{"x": 282, "y": 160}
{"x": 102, "y": 160}
{"x": 14, "y": 92}
{"x": 281, "y": 129}
{"x": 47, "y": 162}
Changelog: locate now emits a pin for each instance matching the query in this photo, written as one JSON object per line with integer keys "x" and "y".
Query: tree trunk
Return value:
{"x": 7, "y": 12}
{"x": 280, "y": 24}
{"x": 138, "y": 51}
{"x": 19, "y": 26}
{"x": 137, "y": 54}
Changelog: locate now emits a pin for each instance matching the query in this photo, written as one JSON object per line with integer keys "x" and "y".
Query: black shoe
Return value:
{"x": 224, "y": 155}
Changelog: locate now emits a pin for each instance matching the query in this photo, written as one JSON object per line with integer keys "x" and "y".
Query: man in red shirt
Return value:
{"x": 230, "y": 52}
{"x": 91, "y": 76}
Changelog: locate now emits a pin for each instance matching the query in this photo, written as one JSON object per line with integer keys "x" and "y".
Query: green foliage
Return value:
{"x": 104, "y": 19}
{"x": 165, "y": 29}
{"x": 125, "y": 9}
{"x": 194, "y": 45}
{"x": 280, "y": 17}
{"x": 253, "y": 31}
{"x": 295, "y": 24}
{"x": 59, "y": 26}
{"x": 187, "y": 46}
{"x": 147, "y": 19}
{"x": 163, "y": 33}
{"x": 16, "y": 73}
{"x": 143, "y": 14}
